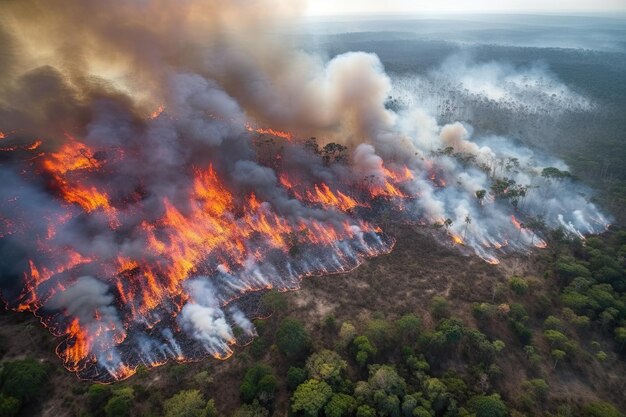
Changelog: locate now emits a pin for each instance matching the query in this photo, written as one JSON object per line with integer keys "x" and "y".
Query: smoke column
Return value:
{"x": 157, "y": 170}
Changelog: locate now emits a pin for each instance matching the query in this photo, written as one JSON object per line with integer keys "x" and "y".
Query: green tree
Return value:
{"x": 9, "y": 406}
{"x": 439, "y": 307}
{"x": 274, "y": 301}
{"x": 379, "y": 331}
{"x": 252, "y": 410}
{"x": 365, "y": 351}
{"x": 189, "y": 403}
{"x": 340, "y": 405}
{"x": 558, "y": 355}
{"x": 23, "y": 379}
{"x": 408, "y": 328}
{"x": 292, "y": 339}
{"x": 310, "y": 397}
{"x": 365, "y": 411}
{"x": 258, "y": 383}
{"x": 518, "y": 285}
{"x": 555, "y": 337}
{"x": 326, "y": 365}
{"x": 488, "y": 406}
{"x": 295, "y": 377}
{"x": 120, "y": 403}
{"x": 620, "y": 336}
{"x": 600, "y": 409}
{"x": 480, "y": 195}
{"x": 97, "y": 396}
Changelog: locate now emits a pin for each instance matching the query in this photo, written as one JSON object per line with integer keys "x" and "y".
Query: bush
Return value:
{"x": 23, "y": 379}
{"x": 295, "y": 377}
{"x": 600, "y": 409}
{"x": 9, "y": 406}
{"x": 189, "y": 403}
{"x": 488, "y": 406}
{"x": 518, "y": 285}
{"x": 274, "y": 301}
{"x": 97, "y": 396}
{"x": 292, "y": 339}
{"x": 258, "y": 383}
{"x": 120, "y": 404}
{"x": 439, "y": 307}
{"x": 310, "y": 397}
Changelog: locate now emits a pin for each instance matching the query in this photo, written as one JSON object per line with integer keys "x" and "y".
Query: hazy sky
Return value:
{"x": 329, "y": 7}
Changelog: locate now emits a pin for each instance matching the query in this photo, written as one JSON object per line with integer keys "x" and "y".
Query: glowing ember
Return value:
{"x": 157, "y": 112}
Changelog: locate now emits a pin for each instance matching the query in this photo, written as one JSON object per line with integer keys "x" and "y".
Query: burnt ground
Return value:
{"x": 403, "y": 281}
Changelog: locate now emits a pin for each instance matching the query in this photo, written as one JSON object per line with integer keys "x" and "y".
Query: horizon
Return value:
{"x": 329, "y": 8}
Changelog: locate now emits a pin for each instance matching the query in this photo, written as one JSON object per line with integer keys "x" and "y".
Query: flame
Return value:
{"x": 2, "y": 135}
{"x": 458, "y": 240}
{"x": 277, "y": 133}
{"x": 156, "y": 113}
{"x": 34, "y": 146}
{"x": 324, "y": 195}
{"x": 515, "y": 222}
{"x": 208, "y": 230}
{"x": 72, "y": 156}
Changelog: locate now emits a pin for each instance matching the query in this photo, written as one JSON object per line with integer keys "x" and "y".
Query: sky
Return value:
{"x": 333, "y": 7}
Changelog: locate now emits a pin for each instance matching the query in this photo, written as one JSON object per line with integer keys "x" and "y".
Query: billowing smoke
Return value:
{"x": 156, "y": 176}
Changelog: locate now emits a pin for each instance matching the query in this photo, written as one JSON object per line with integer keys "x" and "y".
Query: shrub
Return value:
{"x": 292, "y": 339}
{"x": 23, "y": 379}
{"x": 518, "y": 285}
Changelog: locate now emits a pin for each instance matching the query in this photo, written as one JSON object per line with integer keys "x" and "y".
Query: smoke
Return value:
{"x": 158, "y": 174}
{"x": 531, "y": 89}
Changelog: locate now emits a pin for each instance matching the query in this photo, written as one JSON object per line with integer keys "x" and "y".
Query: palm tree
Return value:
{"x": 468, "y": 221}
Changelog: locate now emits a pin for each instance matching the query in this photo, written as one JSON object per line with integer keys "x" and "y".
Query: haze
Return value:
{"x": 333, "y": 7}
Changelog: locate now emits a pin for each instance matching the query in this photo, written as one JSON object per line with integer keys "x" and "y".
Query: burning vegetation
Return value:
{"x": 141, "y": 236}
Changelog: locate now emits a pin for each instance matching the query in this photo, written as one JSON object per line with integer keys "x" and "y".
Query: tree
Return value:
{"x": 252, "y": 410}
{"x": 600, "y": 409}
{"x": 295, "y": 377}
{"x": 620, "y": 336}
{"x": 97, "y": 396}
{"x": 258, "y": 383}
{"x": 310, "y": 397}
{"x": 408, "y": 328}
{"x": 518, "y": 285}
{"x": 292, "y": 339}
{"x": 326, "y": 365}
{"x": 488, "y": 406}
{"x": 439, "y": 307}
{"x": 379, "y": 331}
{"x": 274, "y": 301}
{"x": 23, "y": 379}
{"x": 555, "y": 337}
{"x": 365, "y": 411}
{"x": 468, "y": 221}
{"x": 189, "y": 403}
{"x": 365, "y": 351}
{"x": 480, "y": 195}
{"x": 347, "y": 333}
{"x": 120, "y": 404}
{"x": 9, "y": 406}
{"x": 557, "y": 355}
{"x": 340, "y": 405}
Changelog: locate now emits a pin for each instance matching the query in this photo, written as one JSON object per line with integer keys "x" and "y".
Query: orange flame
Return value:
{"x": 277, "y": 133}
